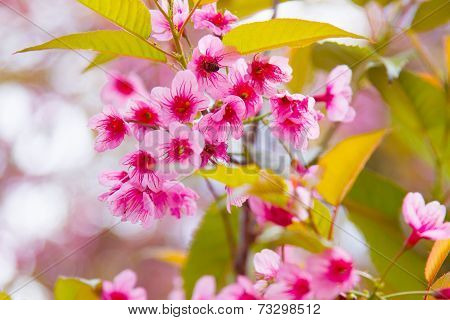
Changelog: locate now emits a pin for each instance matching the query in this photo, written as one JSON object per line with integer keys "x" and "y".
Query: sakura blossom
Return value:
{"x": 426, "y": 220}
{"x": 161, "y": 30}
{"x": 208, "y": 17}
{"x": 338, "y": 95}
{"x": 183, "y": 101}
{"x": 292, "y": 283}
{"x": 332, "y": 273}
{"x": 214, "y": 151}
{"x": 119, "y": 89}
{"x": 267, "y": 264}
{"x": 123, "y": 287}
{"x": 266, "y": 212}
{"x": 111, "y": 129}
{"x": 142, "y": 116}
{"x": 208, "y": 61}
{"x": 268, "y": 72}
{"x": 242, "y": 289}
{"x": 205, "y": 288}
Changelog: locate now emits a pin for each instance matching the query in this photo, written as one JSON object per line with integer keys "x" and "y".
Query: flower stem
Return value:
{"x": 258, "y": 118}
{"x": 190, "y": 15}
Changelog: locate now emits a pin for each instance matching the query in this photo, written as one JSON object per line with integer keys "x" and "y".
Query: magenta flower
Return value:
{"x": 208, "y": 60}
{"x": 442, "y": 294}
{"x": 209, "y": 18}
{"x": 111, "y": 129}
{"x": 183, "y": 101}
{"x": 180, "y": 200}
{"x": 214, "y": 152}
{"x": 205, "y": 288}
{"x": 113, "y": 180}
{"x": 295, "y": 119}
{"x": 179, "y": 148}
{"x": 292, "y": 283}
{"x": 144, "y": 170}
{"x": 123, "y": 288}
{"x": 426, "y": 220}
{"x": 338, "y": 95}
{"x": 161, "y": 27}
{"x": 267, "y": 264}
{"x": 239, "y": 84}
{"x": 243, "y": 289}
{"x": 143, "y": 116}
{"x": 266, "y": 212}
{"x": 224, "y": 120}
{"x": 119, "y": 89}
{"x": 332, "y": 273}
{"x": 266, "y": 73}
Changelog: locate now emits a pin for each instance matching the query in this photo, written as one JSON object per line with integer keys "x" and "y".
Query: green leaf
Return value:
{"x": 4, "y": 296}
{"x": 394, "y": 64}
{"x": 342, "y": 164}
{"x": 104, "y": 41}
{"x": 245, "y": 8}
{"x": 296, "y": 234}
{"x": 321, "y": 218}
{"x": 330, "y": 54}
{"x": 75, "y": 289}
{"x": 100, "y": 58}
{"x": 302, "y": 68}
{"x": 363, "y": 2}
{"x": 270, "y": 187}
{"x": 431, "y": 14}
{"x": 131, "y": 15}
{"x": 278, "y": 33}
{"x": 233, "y": 177}
{"x": 209, "y": 252}
{"x": 374, "y": 205}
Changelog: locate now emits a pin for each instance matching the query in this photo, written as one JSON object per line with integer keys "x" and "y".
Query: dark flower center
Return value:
{"x": 117, "y": 295}
{"x": 339, "y": 270}
{"x": 124, "y": 87}
{"x": 210, "y": 64}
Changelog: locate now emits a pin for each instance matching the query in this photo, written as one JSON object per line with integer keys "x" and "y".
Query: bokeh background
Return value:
{"x": 51, "y": 222}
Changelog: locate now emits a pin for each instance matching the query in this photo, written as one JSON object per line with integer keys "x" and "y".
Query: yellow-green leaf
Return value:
{"x": 344, "y": 162}
{"x": 321, "y": 217}
{"x": 171, "y": 256}
{"x": 437, "y": 256}
{"x": 131, "y": 15}
{"x": 270, "y": 187}
{"x": 441, "y": 283}
{"x": 75, "y": 289}
{"x": 105, "y": 41}
{"x": 277, "y": 33}
{"x": 431, "y": 14}
{"x": 300, "y": 60}
{"x": 233, "y": 177}
{"x": 4, "y": 296}
{"x": 100, "y": 58}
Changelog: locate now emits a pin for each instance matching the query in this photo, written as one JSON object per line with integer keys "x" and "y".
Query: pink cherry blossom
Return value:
{"x": 179, "y": 199}
{"x": 243, "y": 289}
{"x": 214, "y": 151}
{"x": 234, "y": 198}
{"x": 123, "y": 288}
{"x": 111, "y": 129}
{"x": 179, "y": 148}
{"x": 144, "y": 170}
{"x": 224, "y": 120}
{"x": 266, "y": 73}
{"x": 209, "y": 59}
{"x": 267, "y": 264}
{"x": 426, "y": 220}
{"x": 209, "y": 18}
{"x": 114, "y": 180}
{"x": 295, "y": 119}
{"x": 240, "y": 85}
{"x": 120, "y": 88}
{"x": 183, "y": 101}
{"x": 338, "y": 95}
{"x": 332, "y": 273}
{"x": 266, "y": 212}
{"x": 310, "y": 176}
{"x": 442, "y": 294}
{"x": 142, "y": 116}
{"x": 205, "y": 288}
{"x": 161, "y": 27}
{"x": 292, "y": 283}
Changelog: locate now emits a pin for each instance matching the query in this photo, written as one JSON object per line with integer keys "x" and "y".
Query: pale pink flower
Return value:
{"x": 266, "y": 212}
{"x": 310, "y": 176}
{"x": 292, "y": 283}
{"x": 161, "y": 27}
{"x": 234, "y": 198}
{"x": 225, "y": 120}
{"x": 214, "y": 151}
{"x": 208, "y": 17}
{"x": 332, "y": 273}
{"x": 303, "y": 196}
{"x": 123, "y": 288}
{"x": 180, "y": 148}
{"x": 338, "y": 95}
{"x": 179, "y": 199}
{"x": 267, "y": 72}
{"x": 143, "y": 116}
{"x": 267, "y": 264}
{"x": 114, "y": 180}
{"x": 183, "y": 101}
{"x": 111, "y": 129}
{"x": 209, "y": 59}
{"x": 177, "y": 292}
{"x": 240, "y": 85}
{"x": 120, "y": 88}
{"x": 426, "y": 220}
{"x": 144, "y": 170}
{"x": 205, "y": 288}
{"x": 295, "y": 119}
{"x": 243, "y": 289}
